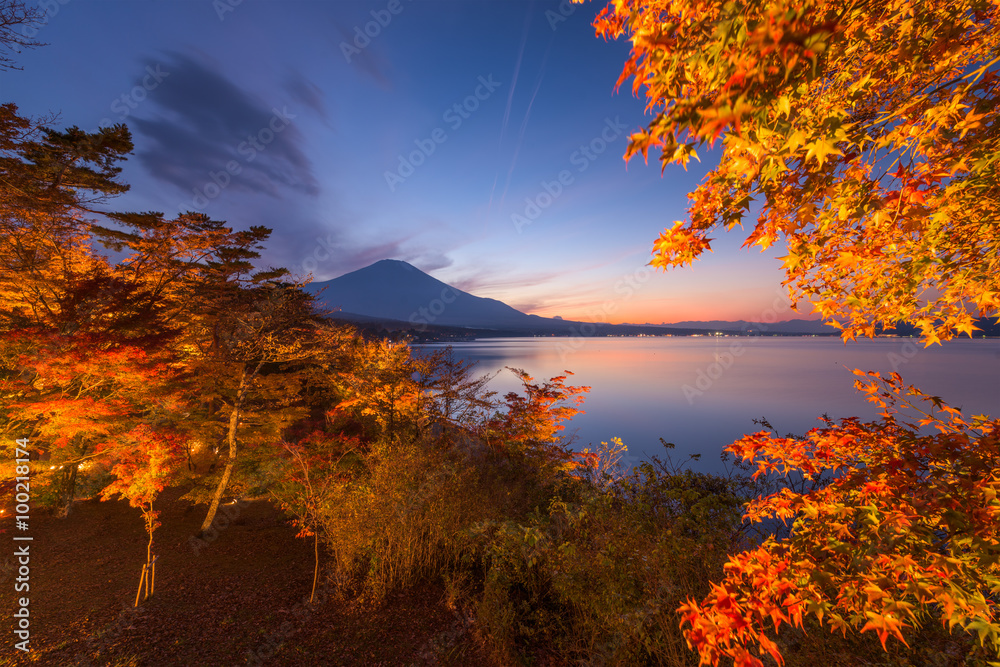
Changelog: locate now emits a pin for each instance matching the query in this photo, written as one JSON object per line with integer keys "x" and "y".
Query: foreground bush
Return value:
{"x": 905, "y": 535}
{"x": 406, "y": 515}
{"x": 562, "y": 557}
{"x": 599, "y": 574}
{"x": 404, "y": 507}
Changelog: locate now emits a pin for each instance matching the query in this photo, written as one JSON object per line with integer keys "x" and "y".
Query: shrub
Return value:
{"x": 598, "y": 575}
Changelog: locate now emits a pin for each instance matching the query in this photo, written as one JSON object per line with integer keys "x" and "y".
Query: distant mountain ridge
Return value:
{"x": 986, "y": 326}
{"x": 395, "y": 290}
{"x": 787, "y": 327}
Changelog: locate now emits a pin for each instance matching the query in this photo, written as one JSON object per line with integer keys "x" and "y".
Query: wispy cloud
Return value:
{"x": 199, "y": 121}
{"x": 369, "y": 61}
{"x": 304, "y": 93}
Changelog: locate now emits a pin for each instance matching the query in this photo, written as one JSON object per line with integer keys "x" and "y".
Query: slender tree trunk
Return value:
{"x": 142, "y": 582}
{"x": 149, "y": 552}
{"x": 234, "y": 424}
{"x": 68, "y": 483}
{"x": 146, "y": 579}
{"x": 312, "y": 595}
{"x": 69, "y": 490}
{"x": 213, "y": 508}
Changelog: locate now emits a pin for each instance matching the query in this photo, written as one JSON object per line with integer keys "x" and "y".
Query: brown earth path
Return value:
{"x": 238, "y": 601}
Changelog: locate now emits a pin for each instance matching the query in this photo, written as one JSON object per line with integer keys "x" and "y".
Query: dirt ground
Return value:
{"x": 238, "y": 600}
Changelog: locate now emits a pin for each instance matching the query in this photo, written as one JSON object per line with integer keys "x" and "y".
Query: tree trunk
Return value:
{"x": 312, "y": 595}
{"x": 68, "y": 490}
{"x": 213, "y": 508}
{"x": 149, "y": 552}
{"x": 146, "y": 580}
{"x": 234, "y": 424}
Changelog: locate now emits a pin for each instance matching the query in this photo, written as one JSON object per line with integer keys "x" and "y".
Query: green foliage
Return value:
{"x": 400, "y": 503}
{"x": 598, "y": 574}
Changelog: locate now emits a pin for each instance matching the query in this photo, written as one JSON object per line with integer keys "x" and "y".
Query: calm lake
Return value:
{"x": 702, "y": 393}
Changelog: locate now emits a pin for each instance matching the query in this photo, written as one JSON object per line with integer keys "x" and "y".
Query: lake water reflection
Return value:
{"x": 702, "y": 393}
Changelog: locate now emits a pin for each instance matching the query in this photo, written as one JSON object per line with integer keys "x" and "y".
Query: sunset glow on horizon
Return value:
{"x": 481, "y": 142}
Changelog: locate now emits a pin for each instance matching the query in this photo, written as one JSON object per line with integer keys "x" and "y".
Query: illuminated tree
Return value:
{"x": 80, "y": 394}
{"x": 256, "y": 333}
{"x": 531, "y": 424}
{"x": 49, "y": 181}
{"x": 146, "y": 463}
{"x": 906, "y": 533}
{"x": 867, "y": 132}
{"x": 176, "y": 295}
{"x": 378, "y": 386}
{"x": 82, "y": 346}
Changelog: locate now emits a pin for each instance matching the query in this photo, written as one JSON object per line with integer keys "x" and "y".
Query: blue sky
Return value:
{"x": 481, "y": 141}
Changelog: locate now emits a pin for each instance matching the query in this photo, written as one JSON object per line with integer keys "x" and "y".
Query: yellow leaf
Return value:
{"x": 819, "y": 149}
{"x": 785, "y": 106}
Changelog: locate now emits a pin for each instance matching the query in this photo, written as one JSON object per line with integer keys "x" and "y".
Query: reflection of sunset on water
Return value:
{"x": 638, "y": 384}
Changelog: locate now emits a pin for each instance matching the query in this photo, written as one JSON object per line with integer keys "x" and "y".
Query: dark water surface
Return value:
{"x": 702, "y": 393}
